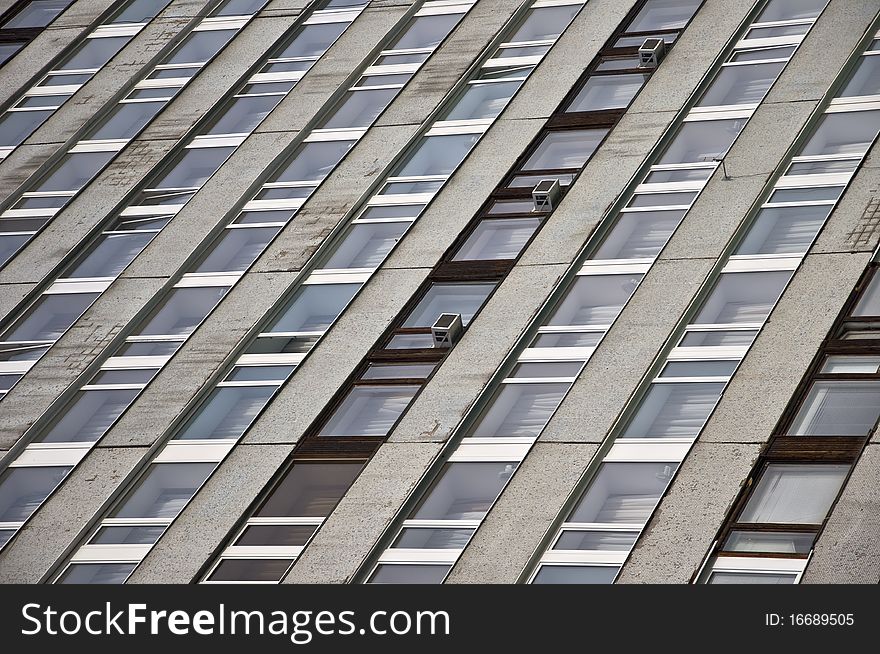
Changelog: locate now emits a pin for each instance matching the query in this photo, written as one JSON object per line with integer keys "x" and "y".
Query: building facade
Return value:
{"x": 444, "y": 291}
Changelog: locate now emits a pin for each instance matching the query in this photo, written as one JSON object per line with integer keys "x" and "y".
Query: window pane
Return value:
{"x": 313, "y": 40}
{"x": 639, "y": 234}
{"x": 314, "y": 161}
{"x": 438, "y": 155}
{"x": 110, "y": 255}
{"x": 310, "y": 490}
{"x": 865, "y": 79}
{"x": 75, "y": 171}
{"x": 37, "y": 13}
{"x": 360, "y": 108}
{"x": 140, "y": 11}
{"x": 250, "y": 570}
{"x": 741, "y": 84}
{"x": 182, "y": 311}
{"x": 780, "y": 230}
{"x": 794, "y": 494}
{"x": 126, "y": 120}
{"x": 365, "y": 245}
{"x": 869, "y": 303}
{"x": 481, "y": 101}
{"x": 751, "y": 578}
{"x": 576, "y": 574}
{"x": 844, "y": 133}
{"x": 843, "y": 364}
{"x": 164, "y": 490}
{"x": 49, "y": 317}
{"x": 594, "y": 300}
{"x": 89, "y": 417}
{"x": 742, "y": 297}
{"x": 702, "y": 141}
{"x": 242, "y": 115}
{"x": 497, "y": 239}
{"x": 194, "y": 168}
{"x": 237, "y": 249}
{"x": 791, "y": 10}
{"x": 565, "y": 149}
{"x": 623, "y": 493}
{"x": 7, "y": 51}
{"x": 772, "y": 542}
{"x": 22, "y": 490}
{"x": 838, "y": 408}
{"x": 409, "y": 574}
{"x": 607, "y": 92}
{"x": 369, "y": 411}
{"x": 463, "y": 299}
{"x": 433, "y": 539}
{"x": 674, "y": 410}
{"x": 599, "y": 541}
{"x": 544, "y": 23}
{"x": 96, "y": 573}
{"x": 463, "y": 491}
{"x": 275, "y": 535}
{"x": 426, "y": 31}
{"x": 199, "y": 47}
{"x": 228, "y": 413}
{"x": 521, "y": 409}
{"x": 315, "y": 307}
{"x": 94, "y": 53}
{"x": 16, "y": 126}
{"x": 127, "y": 535}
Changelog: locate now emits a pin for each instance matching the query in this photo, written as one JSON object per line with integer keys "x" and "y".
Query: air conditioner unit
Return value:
{"x": 447, "y": 329}
{"x": 546, "y": 194}
{"x": 651, "y": 52}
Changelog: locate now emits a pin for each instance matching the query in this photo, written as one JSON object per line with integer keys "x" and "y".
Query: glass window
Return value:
{"x": 639, "y": 234}
{"x": 497, "y": 239}
{"x": 50, "y": 316}
{"x": 250, "y": 570}
{"x": 22, "y": 490}
{"x": 285, "y": 535}
{"x": 238, "y": 8}
{"x": 838, "y": 408}
{"x": 7, "y": 51}
{"x": 426, "y": 31}
{"x": 437, "y": 155}
{"x": 94, "y": 53}
{"x": 544, "y": 23}
{"x": 140, "y": 11}
{"x": 314, "y": 161}
{"x": 236, "y": 249}
{"x": 89, "y": 416}
{"x": 623, "y": 493}
{"x": 199, "y": 47}
{"x": 791, "y": 10}
{"x": 702, "y": 141}
{"x": 75, "y": 171}
{"x": 674, "y": 410}
{"x": 594, "y": 300}
{"x": 398, "y": 371}
{"x": 742, "y": 297}
{"x": 597, "y": 541}
{"x": 365, "y": 245}
{"x": 752, "y": 578}
{"x": 794, "y": 493}
{"x": 576, "y": 574}
{"x": 37, "y": 13}
{"x": 369, "y": 411}
{"x": 781, "y": 230}
{"x": 464, "y": 490}
{"x": 663, "y": 15}
{"x": 869, "y": 303}
{"x": 16, "y": 126}
{"x": 865, "y": 79}
{"x": 713, "y": 368}
{"x": 784, "y": 542}
{"x": 163, "y": 491}
{"x": 360, "y": 108}
{"x": 194, "y": 168}
{"x": 313, "y": 40}
{"x": 482, "y": 101}
{"x": 464, "y": 299}
{"x": 126, "y": 120}
{"x": 432, "y": 539}
{"x": 227, "y": 413}
{"x": 741, "y": 84}
{"x": 409, "y": 574}
{"x": 607, "y": 92}
{"x": 565, "y": 149}
{"x": 110, "y": 255}
{"x": 315, "y": 307}
{"x": 844, "y": 133}
{"x": 521, "y": 410}
{"x": 243, "y": 114}
{"x": 182, "y": 311}
{"x": 96, "y": 573}
{"x": 310, "y": 490}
